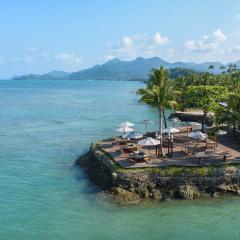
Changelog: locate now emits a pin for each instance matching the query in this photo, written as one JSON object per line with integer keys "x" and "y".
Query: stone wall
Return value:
{"x": 134, "y": 185}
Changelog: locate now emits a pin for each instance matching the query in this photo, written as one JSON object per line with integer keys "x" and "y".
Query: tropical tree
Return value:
{"x": 222, "y": 68}
{"x": 206, "y": 98}
{"x": 232, "y": 67}
{"x": 234, "y": 108}
{"x": 158, "y": 94}
{"x": 211, "y": 67}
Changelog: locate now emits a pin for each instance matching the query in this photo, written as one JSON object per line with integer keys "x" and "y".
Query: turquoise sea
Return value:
{"x": 44, "y": 127}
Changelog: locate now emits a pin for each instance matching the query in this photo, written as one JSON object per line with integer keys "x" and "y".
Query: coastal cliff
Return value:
{"x": 126, "y": 186}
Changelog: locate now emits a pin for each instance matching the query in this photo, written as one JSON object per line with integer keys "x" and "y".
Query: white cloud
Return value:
{"x": 236, "y": 48}
{"x": 69, "y": 58}
{"x": 127, "y": 41}
{"x": 206, "y": 43}
{"x": 130, "y": 47}
{"x": 219, "y": 35}
{"x": 159, "y": 39}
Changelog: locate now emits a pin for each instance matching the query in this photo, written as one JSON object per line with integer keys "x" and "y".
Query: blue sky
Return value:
{"x": 40, "y": 36}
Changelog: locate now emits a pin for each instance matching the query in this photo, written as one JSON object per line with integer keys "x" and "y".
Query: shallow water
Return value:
{"x": 44, "y": 127}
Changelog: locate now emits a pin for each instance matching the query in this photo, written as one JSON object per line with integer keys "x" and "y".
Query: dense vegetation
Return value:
{"x": 208, "y": 92}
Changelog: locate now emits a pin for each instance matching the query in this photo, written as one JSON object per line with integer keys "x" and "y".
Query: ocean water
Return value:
{"x": 44, "y": 127}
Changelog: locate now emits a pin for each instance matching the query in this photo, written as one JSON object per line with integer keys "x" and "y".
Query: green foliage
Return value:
{"x": 231, "y": 113}
{"x": 159, "y": 92}
{"x": 205, "y": 97}
{"x": 176, "y": 171}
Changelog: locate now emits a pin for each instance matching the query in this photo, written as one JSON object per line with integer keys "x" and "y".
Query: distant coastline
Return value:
{"x": 118, "y": 70}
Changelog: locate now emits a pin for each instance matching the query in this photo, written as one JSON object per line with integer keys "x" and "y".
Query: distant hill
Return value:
{"x": 117, "y": 69}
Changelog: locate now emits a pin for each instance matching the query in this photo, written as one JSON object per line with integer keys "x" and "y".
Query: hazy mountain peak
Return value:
{"x": 138, "y": 68}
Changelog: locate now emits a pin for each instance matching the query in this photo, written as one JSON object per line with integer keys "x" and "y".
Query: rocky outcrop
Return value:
{"x": 126, "y": 186}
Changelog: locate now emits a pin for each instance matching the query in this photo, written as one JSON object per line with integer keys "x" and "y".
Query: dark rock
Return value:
{"x": 132, "y": 186}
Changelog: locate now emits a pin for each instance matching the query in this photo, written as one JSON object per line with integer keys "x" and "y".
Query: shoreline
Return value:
{"x": 133, "y": 186}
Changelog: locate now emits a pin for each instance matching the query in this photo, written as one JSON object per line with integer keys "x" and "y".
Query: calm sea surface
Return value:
{"x": 44, "y": 127}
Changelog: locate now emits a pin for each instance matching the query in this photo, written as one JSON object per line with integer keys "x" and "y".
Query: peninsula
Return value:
{"x": 194, "y": 154}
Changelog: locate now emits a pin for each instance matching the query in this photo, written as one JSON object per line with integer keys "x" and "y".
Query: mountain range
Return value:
{"x": 117, "y": 69}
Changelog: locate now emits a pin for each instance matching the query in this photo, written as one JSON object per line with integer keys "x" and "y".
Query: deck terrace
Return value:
{"x": 226, "y": 143}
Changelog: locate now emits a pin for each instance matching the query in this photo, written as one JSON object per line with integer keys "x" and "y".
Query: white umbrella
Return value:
{"x": 199, "y": 135}
{"x": 171, "y": 130}
{"x": 133, "y": 135}
{"x": 126, "y": 124}
{"x": 124, "y": 130}
{"x": 149, "y": 142}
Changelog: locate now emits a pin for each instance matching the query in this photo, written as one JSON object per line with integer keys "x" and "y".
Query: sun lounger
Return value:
{"x": 140, "y": 157}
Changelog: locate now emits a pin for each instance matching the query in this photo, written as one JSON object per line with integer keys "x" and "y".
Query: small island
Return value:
{"x": 198, "y": 159}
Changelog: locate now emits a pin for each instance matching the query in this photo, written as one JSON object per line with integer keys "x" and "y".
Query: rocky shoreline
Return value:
{"x": 132, "y": 186}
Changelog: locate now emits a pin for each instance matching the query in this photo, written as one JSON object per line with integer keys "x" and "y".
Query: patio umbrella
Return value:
{"x": 124, "y": 130}
{"x": 149, "y": 142}
{"x": 146, "y": 123}
{"x": 198, "y": 135}
{"x": 126, "y": 124}
{"x": 134, "y": 135}
{"x": 171, "y": 130}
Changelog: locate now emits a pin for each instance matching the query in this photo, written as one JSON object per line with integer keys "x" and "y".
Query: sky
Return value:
{"x": 44, "y": 35}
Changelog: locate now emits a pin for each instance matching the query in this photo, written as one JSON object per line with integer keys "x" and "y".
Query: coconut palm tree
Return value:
{"x": 211, "y": 67}
{"x": 222, "y": 68}
{"x": 234, "y": 107}
{"x": 158, "y": 95}
{"x": 232, "y": 67}
{"x": 231, "y": 113}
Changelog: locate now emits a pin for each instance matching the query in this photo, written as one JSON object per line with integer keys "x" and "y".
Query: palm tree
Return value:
{"x": 211, "y": 67}
{"x": 158, "y": 95}
{"x": 222, "y": 68}
{"x": 232, "y": 67}
{"x": 231, "y": 113}
{"x": 234, "y": 108}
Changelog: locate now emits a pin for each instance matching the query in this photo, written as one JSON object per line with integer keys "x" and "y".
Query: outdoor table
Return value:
{"x": 129, "y": 148}
{"x": 212, "y": 144}
{"x": 123, "y": 141}
{"x": 191, "y": 148}
{"x": 139, "y": 156}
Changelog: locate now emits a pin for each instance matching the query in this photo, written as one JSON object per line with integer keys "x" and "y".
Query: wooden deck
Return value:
{"x": 226, "y": 144}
